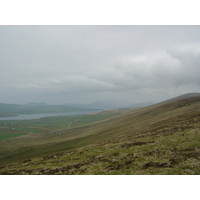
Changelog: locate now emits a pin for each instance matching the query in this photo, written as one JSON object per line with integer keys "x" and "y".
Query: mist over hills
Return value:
{"x": 37, "y": 108}
{"x": 42, "y": 107}
{"x": 33, "y": 104}
{"x": 111, "y": 105}
{"x": 100, "y": 105}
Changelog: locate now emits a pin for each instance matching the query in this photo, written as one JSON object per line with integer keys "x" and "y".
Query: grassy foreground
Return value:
{"x": 159, "y": 139}
{"x": 46, "y": 135}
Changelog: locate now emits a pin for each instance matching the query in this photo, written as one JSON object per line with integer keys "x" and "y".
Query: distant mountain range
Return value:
{"x": 7, "y": 110}
{"x": 41, "y": 107}
{"x": 34, "y": 104}
{"x": 37, "y": 108}
{"x": 110, "y": 105}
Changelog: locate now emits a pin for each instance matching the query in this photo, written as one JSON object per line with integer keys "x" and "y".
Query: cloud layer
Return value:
{"x": 60, "y": 64}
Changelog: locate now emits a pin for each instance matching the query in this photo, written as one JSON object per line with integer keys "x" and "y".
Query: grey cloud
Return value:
{"x": 58, "y": 64}
{"x": 171, "y": 69}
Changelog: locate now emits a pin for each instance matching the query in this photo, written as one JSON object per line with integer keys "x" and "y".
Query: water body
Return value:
{"x": 39, "y": 116}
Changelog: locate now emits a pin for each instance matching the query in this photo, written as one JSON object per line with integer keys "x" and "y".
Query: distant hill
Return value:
{"x": 33, "y": 104}
{"x": 111, "y": 105}
{"x": 10, "y": 109}
{"x": 37, "y": 108}
{"x": 97, "y": 105}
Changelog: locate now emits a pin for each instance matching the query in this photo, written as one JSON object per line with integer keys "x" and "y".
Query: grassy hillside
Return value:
{"x": 38, "y": 134}
{"x": 159, "y": 139}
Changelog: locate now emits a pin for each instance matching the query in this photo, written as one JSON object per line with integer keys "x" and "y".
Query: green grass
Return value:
{"x": 7, "y": 135}
{"x": 42, "y": 136}
{"x": 160, "y": 139}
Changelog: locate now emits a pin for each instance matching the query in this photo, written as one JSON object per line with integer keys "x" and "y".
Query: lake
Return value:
{"x": 38, "y": 116}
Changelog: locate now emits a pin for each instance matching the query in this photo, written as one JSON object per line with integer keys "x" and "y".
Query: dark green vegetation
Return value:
{"x": 7, "y": 110}
{"x": 7, "y": 135}
{"x": 159, "y": 139}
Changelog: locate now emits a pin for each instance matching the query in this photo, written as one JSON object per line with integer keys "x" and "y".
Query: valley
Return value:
{"x": 163, "y": 138}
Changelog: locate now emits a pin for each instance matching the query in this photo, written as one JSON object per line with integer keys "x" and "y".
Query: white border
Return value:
{"x": 104, "y": 12}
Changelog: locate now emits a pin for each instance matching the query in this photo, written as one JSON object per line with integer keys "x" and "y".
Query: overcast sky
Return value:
{"x": 82, "y": 64}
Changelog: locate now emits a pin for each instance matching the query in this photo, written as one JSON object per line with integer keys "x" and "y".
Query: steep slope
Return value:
{"x": 184, "y": 96}
{"x": 159, "y": 139}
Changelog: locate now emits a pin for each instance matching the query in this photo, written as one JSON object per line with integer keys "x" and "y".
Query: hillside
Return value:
{"x": 184, "y": 96}
{"x": 160, "y": 139}
{"x": 144, "y": 104}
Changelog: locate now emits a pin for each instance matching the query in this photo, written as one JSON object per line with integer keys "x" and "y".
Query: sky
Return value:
{"x": 84, "y": 64}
